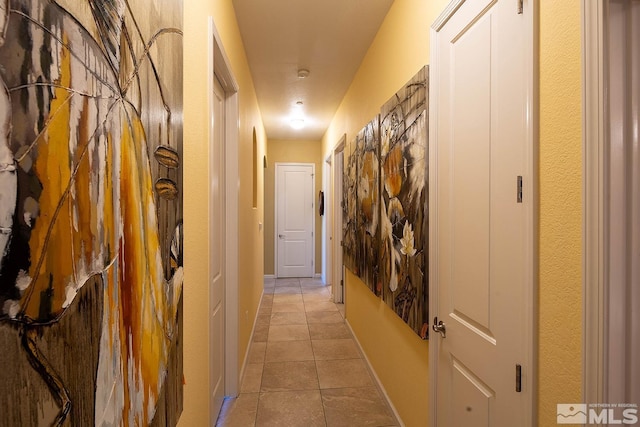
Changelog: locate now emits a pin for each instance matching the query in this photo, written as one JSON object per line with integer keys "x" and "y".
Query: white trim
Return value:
{"x": 253, "y": 330}
{"x": 327, "y": 229}
{"x": 593, "y": 126}
{"x": 372, "y": 371}
{"x": 269, "y": 276}
{"x": 317, "y": 276}
{"x": 337, "y": 171}
{"x": 530, "y": 374}
{"x": 313, "y": 216}
{"x": 220, "y": 66}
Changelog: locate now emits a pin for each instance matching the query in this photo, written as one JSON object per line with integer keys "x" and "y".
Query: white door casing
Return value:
{"x": 217, "y": 243}
{"x": 294, "y": 217}
{"x": 482, "y": 229}
{"x": 226, "y": 158}
{"x": 338, "y": 268}
{"x": 327, "y": 229}
{"x": 611, "y": 78}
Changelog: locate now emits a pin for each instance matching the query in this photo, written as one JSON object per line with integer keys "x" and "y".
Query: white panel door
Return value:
{"x": 217, "y": 239}
{"x": 294, "y": 219}
{"x": 481, "y": 222}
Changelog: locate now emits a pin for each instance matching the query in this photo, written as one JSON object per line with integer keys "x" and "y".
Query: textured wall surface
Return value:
{"x": 560, "y": 222}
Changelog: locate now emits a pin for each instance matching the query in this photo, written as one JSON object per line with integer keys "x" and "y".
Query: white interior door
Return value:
{"x": 294, "y": 219}
{"x": 217, "y": 242}
{"x": 482, "y": 225}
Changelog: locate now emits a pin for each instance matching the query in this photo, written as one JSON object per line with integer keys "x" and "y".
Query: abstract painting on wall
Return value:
{"x": 349, "y": 207}
{"x": 368, "y": 204}
{"x": 404, "y": 225}
{"x": 388, "y": 166}
{"x": 90, "y": 212}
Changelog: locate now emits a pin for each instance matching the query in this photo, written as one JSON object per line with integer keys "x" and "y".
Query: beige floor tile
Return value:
{"x": 324, "y": 317}
{"x": 343, "y": 373}
{"x": 347, "y": 407}
{"x": 288, "y": 351}
{"x": 257, "y": 352}
{"x": 333, "y": 349}
{"x": 267, "y": 298}
{"x": 265, "y": 308}
{"x": 288, "y": 332}
{"x": 279, "y": 298}
{"x": 287, "y": 290}
{"x": 289, "y": 281}
{"x": 268, "y": 290}
{"x": 328, "y": 331}
{"x": 316, "y": 290}
{"x": 320, "y": 306}
{"x": 287, "y": 307}
{"x": 269, "y": 280}
{"x": 263, "y": 319}
{"x": 290, "y": 409}
{"x": 284, "y": 376}
{"x": 239, "y": 412}
{"x": 252, "y": 378}
{"x": 261, "y": 332}
{"x": 307, "y": 281}
{"x": 288, "y": 318}
{"x": 316, "y": 297}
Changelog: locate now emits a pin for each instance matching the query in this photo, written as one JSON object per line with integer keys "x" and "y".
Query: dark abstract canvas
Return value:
{"x": 90, "y": 212}
{"x": 386, "y": 177}
{"x": 404, "y": 226}
{"x": 349, "y": 208}
{"x": 368, "y": 204}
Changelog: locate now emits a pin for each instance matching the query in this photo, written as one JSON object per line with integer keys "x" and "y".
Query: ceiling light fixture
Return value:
{"x": 297, "y": 123}
{"x": 303, "y": 73}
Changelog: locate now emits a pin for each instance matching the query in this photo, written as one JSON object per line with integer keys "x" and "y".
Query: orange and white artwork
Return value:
{"x": 91, "y": 212}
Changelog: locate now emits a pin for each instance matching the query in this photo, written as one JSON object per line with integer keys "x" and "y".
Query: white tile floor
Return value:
{"x": 304, "y": 368}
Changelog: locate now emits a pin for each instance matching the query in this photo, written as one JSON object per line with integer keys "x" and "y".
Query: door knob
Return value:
{"x": 281, "y": 236}
{"x": 439, "y": 327}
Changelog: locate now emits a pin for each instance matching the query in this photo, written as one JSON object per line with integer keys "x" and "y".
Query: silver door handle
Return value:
{"x": 439, "y": 327}
{"x": 281, "y": 236}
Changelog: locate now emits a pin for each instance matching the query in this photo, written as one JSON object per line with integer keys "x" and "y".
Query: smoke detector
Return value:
{"x": 303, "y": 73}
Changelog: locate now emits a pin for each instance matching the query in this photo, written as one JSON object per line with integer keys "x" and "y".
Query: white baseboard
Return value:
{"x": 317, "y": 276}
{"x": 269, "y": 276}
{"x": 246, "y": 353}
{"x": 378, "y": 383}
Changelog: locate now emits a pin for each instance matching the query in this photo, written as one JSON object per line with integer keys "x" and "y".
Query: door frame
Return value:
{"x": 601, "y": 337}
{"x": 530, "y": 191}
{"x": 313, "y": 216}
{"x": 337, "y": 172}
{"x": 327, "y": 229}
{"x": 220, "y": 67}
{"x": 593, "y": 201}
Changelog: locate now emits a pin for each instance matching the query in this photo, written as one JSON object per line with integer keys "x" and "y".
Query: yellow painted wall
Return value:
{"x": 398, "y": 355}
{"x": 399, "y": 358}
{"x": 196, "y": 201}
{"x": 289, "y": 151}
{"x": 560, "y": 285}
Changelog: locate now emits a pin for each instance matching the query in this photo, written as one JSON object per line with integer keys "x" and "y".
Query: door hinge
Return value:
{"x": 518, "y": 378}
{"x": 519, "y": 189}
{"x": 520, "y": 7}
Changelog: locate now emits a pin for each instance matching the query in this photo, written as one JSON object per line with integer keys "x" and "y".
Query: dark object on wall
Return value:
{"x": 321, "y": 203}
{"x": 91, "y": 238}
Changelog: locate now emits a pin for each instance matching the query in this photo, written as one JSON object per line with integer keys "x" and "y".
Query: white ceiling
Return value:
{"x": 327, "y": 37}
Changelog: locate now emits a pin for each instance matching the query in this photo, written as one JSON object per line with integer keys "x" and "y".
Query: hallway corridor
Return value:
{"x": 304, "y": 368}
